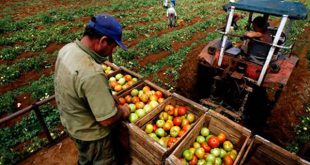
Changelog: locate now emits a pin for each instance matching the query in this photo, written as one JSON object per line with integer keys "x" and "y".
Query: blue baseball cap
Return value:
{"x": 109, "y": 26}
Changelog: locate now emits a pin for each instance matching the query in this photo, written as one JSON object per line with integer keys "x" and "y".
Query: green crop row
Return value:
{"x": 9, "y": 73}
{"x": 156, "y": 44}
{"x": 39, "y": 89}
{"x": 25, "y": 134}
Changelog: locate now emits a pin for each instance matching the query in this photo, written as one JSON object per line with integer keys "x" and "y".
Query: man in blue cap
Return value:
{"x": 83, "y": 96}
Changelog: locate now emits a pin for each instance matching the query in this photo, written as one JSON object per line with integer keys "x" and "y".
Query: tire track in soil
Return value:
{"x": 291, "y": 105}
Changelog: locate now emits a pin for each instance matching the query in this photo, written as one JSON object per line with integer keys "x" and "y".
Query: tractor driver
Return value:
{"x": 258, "y": 50}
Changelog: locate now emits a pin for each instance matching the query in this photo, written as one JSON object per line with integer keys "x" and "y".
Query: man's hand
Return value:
{"x": 125, "y": 110}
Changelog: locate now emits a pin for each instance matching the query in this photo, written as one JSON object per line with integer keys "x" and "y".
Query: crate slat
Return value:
{"x": 264, "y": 152}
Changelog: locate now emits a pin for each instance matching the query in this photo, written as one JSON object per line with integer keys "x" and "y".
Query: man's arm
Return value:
{"x": 253, "y": 34}
{"x": 122, "y": 113}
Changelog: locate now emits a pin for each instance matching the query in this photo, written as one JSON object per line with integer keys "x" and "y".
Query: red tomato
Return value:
{"x": 186, "y": 127}
{"x": 182, "y": 110}
{"x": 221, "y": 137}
{"x": 154, "y": 127}
{"x": 213, "y": 142}
{"x": 227, "y": 160}
{"x": 181, "y": 133}
{"x": 177, "y": 121}
{"x": 171, "y": 141}
{"x": 122, "y": 101}
{"x": 159, "y": 94}
{"x": 194, "y": 160}
{"x": 205, "y": 146}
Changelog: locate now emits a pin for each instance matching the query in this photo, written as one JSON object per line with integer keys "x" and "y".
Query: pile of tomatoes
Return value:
{"x": 210, "y": 149}
{"x": 141, "y": 101}
{"x": 120, "y": 82}
{"x": 170, "y": 125}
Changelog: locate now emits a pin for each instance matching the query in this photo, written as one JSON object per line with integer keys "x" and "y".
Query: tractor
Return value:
{"x": 236, "y": 82}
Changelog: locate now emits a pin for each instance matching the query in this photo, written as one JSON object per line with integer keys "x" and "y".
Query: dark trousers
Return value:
{"x": 98, "y": 152}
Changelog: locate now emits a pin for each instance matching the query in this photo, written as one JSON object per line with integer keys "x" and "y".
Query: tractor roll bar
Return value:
{"x": 228, "y": 25}
{"x": 272, "y": 49}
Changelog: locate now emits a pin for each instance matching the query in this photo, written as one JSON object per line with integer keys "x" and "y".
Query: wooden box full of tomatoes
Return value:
{"x": 109, "y": 68}
{"x": 264, "y": 152}
{"x": 164, "y": 128}
{"x": 122, "y": 80}
{"x": 141, "y": 99}
{"x": 214, "y": 140}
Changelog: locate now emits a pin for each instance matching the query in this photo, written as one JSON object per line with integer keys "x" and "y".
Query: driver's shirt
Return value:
{"x": 82, "y": 92}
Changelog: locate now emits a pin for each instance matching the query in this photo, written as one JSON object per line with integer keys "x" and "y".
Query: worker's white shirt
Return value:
{"x": 171, "y": 10}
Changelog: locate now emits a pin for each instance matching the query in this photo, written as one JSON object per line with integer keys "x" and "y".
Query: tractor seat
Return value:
{"x": 258, "y": 50}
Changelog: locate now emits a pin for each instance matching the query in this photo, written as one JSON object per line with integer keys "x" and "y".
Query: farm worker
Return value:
{"x": 258, "y": 51}
{"x": 172, "y": 16}
{"x": 261, "y": 32}
{"x": 165, "y": 3}
{"x": 87, "y": 107}
{"x": 172, "y": 3}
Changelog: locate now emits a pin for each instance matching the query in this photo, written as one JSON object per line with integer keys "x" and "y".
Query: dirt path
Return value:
{"x": 62, "y": 153}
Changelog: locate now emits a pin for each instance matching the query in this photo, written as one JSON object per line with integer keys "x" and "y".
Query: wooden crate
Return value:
{"x": 113, "y": 67}
{"x": 139, "y": 86}
{"x": 216, "y": 123}
{"x": 150, "y": 151}
{"x": 124, "y": 71}
{"x": 264, "y": 152}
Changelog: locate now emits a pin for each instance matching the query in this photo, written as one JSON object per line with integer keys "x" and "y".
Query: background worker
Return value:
{"x": 172, "y": 3}
{"x": 172, "y": 16}
{"x": 84, "y": 99}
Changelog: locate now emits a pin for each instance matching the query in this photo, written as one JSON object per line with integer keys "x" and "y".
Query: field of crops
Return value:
{"x": 32, "y": 32}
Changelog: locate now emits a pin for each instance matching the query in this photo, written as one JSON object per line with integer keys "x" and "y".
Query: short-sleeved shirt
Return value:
{"x": 82, "y": 92}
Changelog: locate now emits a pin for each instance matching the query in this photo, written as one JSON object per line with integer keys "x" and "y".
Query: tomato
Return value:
{"x": 176, "y": 112}
{"x": 184, "y": 122}
{"x": 171, "y": 141}
{"x": 128, "y": 98}
{"x": 118, "y": 88}
{"x": 213, "y": 142}
{"x": 228, "y": 146}
{"x": 227, "y": 160}
{"x": 182, "y": 110}
{"x": 168, "y": 107}
{"x": 167, "y": 126}
{"x": 221, "y": 137}
{"x": 135, "y": 99}
{"x": 139, "y": 105}
{"x": 200, "y": 152}
{"x": 146, "y": 89}
{"x": 186, "y": 127}
{"x": 113, "y": 84}
{"x": 127, "y": 77}
{"x": 177, "y": 121}
{"x": 205, "y": 146}
{"x": 181, "y": 133}
{"x": 122, "y": 101}
{"x": 194, "y": 160}
{"x": 159, "y": 94}
{"x": 154, "y": 127}
{"x": 190, "y": 117}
